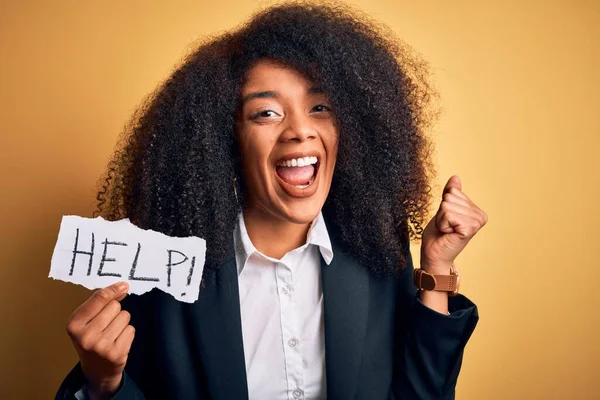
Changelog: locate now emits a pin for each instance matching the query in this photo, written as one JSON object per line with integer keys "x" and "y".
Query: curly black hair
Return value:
{"x": 178, "y": 158}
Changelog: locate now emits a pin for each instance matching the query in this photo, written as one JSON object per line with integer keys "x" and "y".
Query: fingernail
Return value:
{"x": 122, "y": 286}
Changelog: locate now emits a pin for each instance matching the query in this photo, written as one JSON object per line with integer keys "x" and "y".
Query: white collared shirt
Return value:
{"x": 281, "y": 304}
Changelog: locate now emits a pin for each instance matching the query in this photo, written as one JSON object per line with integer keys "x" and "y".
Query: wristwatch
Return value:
{"x": 445, "y": 283}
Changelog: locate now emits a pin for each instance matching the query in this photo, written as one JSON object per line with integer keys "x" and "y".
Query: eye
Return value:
{"x": 321, "y": 107}
{"x": 261, "y": 114}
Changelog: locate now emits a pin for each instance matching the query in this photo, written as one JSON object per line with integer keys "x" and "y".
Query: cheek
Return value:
{"x": 257, "y": 152}
{"x": 248, "y": 146}
{"x": 331, "y": 146}
{"x": 255, "y": 149}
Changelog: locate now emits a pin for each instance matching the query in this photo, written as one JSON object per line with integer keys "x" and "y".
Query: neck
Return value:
{"x": 272, "y": 236}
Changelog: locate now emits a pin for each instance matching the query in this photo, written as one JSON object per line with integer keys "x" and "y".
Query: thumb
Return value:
{"x": 454, "y": 181}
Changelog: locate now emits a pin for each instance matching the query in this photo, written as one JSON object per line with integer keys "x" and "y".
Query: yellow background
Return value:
{"x": 519, "y": 84}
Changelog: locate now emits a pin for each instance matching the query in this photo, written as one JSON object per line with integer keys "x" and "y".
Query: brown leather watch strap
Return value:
{"x": 423, "y": 280}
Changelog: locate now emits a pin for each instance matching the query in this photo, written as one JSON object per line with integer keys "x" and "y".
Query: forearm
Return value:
{"x": 436, "y": 300}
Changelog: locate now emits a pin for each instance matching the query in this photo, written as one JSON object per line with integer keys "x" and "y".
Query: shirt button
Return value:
{"x": 292, "y": 342}
{"x": 297, "y": 393}
{"x": 287, "y": 289}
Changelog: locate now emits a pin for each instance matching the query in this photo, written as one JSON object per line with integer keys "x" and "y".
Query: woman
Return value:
{"x": 295, "y": 147}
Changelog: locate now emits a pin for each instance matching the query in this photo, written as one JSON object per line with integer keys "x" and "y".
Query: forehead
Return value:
{"x": 275, "y": 74}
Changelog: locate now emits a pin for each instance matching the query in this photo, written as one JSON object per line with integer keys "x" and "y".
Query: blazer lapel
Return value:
{"x": 216, "y": 329}
{"x": 345, "y": 298}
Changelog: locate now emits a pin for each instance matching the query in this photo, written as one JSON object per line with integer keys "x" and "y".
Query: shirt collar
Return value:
{"x": 317, "y": 235}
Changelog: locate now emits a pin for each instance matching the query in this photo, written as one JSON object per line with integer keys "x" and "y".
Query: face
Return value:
{"x": 288, "y": 142}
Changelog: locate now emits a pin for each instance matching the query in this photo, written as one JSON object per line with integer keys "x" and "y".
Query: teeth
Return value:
{"x": 299, "y": 162}
{"x": 312, "y": 179}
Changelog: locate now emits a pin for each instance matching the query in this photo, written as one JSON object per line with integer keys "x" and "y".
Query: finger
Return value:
{"x": 115, "y": 328}
{"x": 458, "y": 192}
{"x": 467, "y": 202}
{"x": 92, "y": 306}
{"x": 104, "y": 317}
{"x": 460, "y": 209}
{"x": 452, "y": 198}
{"x": 453, "y": 222}
{"x": 123, "y": 342}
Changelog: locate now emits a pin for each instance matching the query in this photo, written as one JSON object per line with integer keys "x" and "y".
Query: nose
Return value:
{"x": 299, "y": 127}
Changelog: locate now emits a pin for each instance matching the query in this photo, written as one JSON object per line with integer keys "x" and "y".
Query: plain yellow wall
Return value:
{"x": 519, "y": 84}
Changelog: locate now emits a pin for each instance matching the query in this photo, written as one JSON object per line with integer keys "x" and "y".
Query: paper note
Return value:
{"x": 96, "y": 253}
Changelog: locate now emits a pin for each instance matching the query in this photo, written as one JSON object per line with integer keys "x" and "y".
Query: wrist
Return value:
{"x": 438, "y": 268}
{"x": 438, "y": 278}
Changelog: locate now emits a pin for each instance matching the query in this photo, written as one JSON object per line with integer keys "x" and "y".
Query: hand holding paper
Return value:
{"x": 102, "y": 336}
{"x": 96, "y": 253}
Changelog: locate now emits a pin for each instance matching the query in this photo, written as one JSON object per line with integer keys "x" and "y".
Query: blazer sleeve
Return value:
{"x": 430, "y": 345}
{"x": 71, "y": 387}
{"x": 75, "y": 382}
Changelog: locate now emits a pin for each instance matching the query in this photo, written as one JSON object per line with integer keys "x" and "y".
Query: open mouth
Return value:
{"x": 298, "y": 172}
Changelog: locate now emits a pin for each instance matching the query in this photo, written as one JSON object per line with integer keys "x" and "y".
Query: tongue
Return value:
{"x": 296, "y": 175}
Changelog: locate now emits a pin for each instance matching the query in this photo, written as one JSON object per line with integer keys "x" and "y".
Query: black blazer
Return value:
{"x": 381, "y": 342}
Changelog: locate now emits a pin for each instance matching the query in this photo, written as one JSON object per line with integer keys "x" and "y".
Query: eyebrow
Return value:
{"x": 259, "y": 95}
{"x": 273, "y": 94}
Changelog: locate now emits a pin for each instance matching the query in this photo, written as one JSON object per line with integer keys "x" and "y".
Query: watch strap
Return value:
{"x": 423, "y": 280}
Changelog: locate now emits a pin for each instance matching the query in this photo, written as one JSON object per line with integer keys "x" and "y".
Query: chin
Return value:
{"x": 302, "y": 213}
